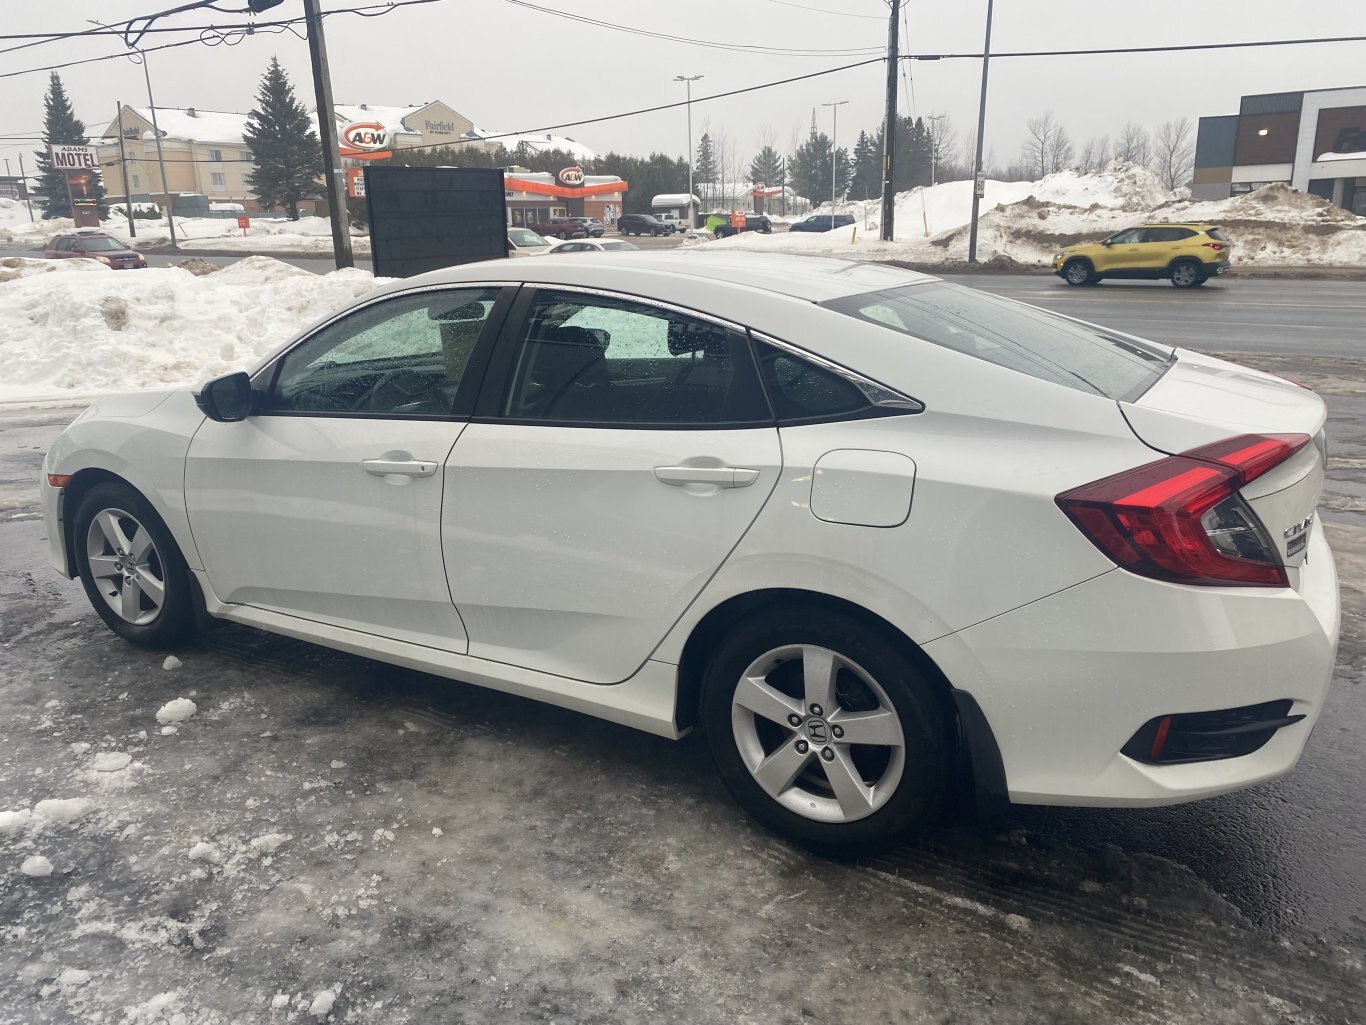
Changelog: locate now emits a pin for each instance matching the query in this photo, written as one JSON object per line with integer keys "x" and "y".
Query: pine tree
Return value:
{"x": 704, "y": 167}
{"x": 767, "y": 167}
{"x": 284, "y": 147}
{"x": 867, "y": 169}
{"x": 61, "y": 127}
{"x": 809, "y": 169}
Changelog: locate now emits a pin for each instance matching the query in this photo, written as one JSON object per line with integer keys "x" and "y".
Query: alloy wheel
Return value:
{"x": 817, "y": 733}
{"x": 126, "y": 566}
{"x": 1078, "y": 273}
{"x": 1184, "y": 275}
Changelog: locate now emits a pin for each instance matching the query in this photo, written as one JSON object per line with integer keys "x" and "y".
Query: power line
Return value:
{"x": 822, "y": 10}
{"x": 1183, "y": 47}
{"x": 754, "y": 48}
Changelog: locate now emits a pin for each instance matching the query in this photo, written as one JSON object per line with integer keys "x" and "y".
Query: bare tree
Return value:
{"x": 943, "y": 141}
{"x": 1174, "y": 152}
{"x": 1040, "y": 133}
{"x": 1059, "y": 150}
{"x": 725, "y": 159}
{"x": 1095, "y": 154}
{"x": 1132, "y": 144}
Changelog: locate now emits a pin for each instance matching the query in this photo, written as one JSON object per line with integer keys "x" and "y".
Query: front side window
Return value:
{"x": 603, "y": 361}
{"x": 1126, "y": 237}
{"x": 1010, "y": 334}
{"x": 401, "y": 356}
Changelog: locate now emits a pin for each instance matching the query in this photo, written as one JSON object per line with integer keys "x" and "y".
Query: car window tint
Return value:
{"x": 1010, "y": 334}
{"x": 801, "y": 390}
{"x": 1127, "y": 236}
{"x": 401, "y": 356}
{"x": 602, "y": 360}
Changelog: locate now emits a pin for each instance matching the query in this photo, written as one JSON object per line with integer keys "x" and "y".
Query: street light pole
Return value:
{"x": 123, "y": 172}
{"x": 981, "y": 130}
{"x": 687, "y": 82}
{"x": 141, "y": 58}
{"x": 934, "y": 144}
{"x": 834, "y": 150}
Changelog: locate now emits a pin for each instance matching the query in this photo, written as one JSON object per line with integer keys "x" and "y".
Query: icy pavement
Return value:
{"x": 329, "y": 839}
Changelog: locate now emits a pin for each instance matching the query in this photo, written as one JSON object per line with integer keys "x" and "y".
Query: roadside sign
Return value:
{"x": 73, "y": 158}
{"x": 355, "y": 182}
{"x": 981, "y": 186}
{"x": 244, "y": 223}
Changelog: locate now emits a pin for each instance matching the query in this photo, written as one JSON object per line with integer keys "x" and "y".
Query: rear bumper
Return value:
{"x": 1066, "y": 681}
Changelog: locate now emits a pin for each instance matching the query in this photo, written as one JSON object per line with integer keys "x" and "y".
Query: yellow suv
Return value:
{"x": 1188, "y": 254}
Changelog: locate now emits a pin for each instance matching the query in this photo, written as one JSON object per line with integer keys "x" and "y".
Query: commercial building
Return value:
{"x": 206, "y": 154}
{"x": 1314, "y": 141}
{"x": 534, "y": 198}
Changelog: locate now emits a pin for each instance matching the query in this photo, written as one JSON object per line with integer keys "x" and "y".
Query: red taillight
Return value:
{"x": 1217, "y": 246}
{"x": 1182, "y": 519}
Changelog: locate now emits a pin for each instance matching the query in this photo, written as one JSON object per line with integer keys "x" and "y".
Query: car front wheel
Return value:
{"x": 1078, "y": 272}
{"x": 131, "y": 568}
{"x": 826, "y": 732}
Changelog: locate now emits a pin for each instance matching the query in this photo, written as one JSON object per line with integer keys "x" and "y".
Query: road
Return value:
{"x": 464, "y": 855}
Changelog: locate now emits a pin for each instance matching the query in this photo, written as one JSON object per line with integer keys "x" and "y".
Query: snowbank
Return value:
{"x": 70, "y": 328}
{"x": 1027, "y": 222}
{"x": 268, "y": 232}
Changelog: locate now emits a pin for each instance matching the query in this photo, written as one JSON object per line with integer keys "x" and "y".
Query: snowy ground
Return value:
{"x": 75, "y": 328}
{"x": 267, "y": 234}
{"x": 262, "y": 831}
{"x": 1027, "y": 222}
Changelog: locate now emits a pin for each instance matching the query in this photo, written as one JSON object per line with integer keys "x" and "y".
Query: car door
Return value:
{"x": 1121, "y": 253}
{"x": 620, "y": 451}
{"x": 326, "y": 502}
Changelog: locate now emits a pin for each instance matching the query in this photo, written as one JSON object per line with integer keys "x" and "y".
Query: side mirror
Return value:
{"x": 226, "y": 399}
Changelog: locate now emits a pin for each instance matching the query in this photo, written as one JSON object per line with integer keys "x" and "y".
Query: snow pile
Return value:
{"x": 37, "y": 866}
{"x": 81, "y": 330}
{"x": 1027, "y": 222}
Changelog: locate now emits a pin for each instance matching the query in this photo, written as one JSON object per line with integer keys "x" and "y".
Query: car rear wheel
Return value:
{"x": 1187, "y": 274}
{"x": 1079, "y": 272}
{"x": 825, "y": 732}
{"x": 131, "y": 568}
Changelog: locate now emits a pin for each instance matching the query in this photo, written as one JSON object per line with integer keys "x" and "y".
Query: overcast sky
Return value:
{"x": 510, "y": 68}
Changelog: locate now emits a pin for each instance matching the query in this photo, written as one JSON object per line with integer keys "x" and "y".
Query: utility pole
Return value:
{"x": 834, "y": 150}
{"x": 123, "y": 169}
{"x": 327, "y": 131}
{"x": 688, "y": 81}
{"x": 28, "y": 195}
{"x": 889, "y": 125}
{"x": 141, "y": 58}
{"x": 981, "y": 131}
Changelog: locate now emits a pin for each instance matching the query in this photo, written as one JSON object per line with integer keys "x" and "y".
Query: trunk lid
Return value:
{"x": 1201, "y": 400}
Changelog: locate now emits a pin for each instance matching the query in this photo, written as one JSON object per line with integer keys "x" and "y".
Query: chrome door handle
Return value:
{"x": 402, "y": 467}
{"x": 717, "y": 476}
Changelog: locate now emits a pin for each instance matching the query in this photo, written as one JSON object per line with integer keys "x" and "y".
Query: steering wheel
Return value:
{"x": 408, "y": 385}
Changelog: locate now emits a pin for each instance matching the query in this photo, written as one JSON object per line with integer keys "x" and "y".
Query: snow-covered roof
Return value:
{"x": 196, "y": 124}
{"x": 390, "y": 117}
{"x": 674, "y": 199}
{"x": 1343, "y": 156}
{"x": 538, "y": 143}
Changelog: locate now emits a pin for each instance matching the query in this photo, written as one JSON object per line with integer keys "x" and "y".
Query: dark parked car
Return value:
{"x": 562, "y": 227}
{"x": 592, "y": 225}
{"x": 723, "y": 228}
{"x": 821, "y": 222}
{"x": 643, "y": 224}
{"x": 94, "y": 245}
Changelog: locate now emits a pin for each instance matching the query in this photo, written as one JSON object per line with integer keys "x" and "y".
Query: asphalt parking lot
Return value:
{"x": 427, "y": 851}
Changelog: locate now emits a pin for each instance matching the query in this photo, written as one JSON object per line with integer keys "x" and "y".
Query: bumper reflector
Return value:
{"x": 1209, "y": 736}
{"x": 58, "y": 480}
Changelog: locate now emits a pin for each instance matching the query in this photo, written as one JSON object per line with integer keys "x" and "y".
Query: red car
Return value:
{"x": 94, "y": 245}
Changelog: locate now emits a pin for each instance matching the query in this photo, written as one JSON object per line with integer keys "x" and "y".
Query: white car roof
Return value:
{"x": 811, "y": 278}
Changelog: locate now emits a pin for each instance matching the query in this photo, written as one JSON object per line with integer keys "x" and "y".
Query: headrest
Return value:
{"x": 694, "y": 337}
{"x": 594, "y": 338}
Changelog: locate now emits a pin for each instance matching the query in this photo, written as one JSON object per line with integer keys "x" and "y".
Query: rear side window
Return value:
{"x": 1012, "y": 335}
{"x": 803, "y": 391}
{"x": 1166, "y": 234}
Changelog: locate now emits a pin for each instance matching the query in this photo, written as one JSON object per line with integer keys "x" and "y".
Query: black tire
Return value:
{"x": 173, "y": 622}
{"x": 1079, "y": 272}
{"x": 1187, "y": 274}
{"x": 912, "y": 806}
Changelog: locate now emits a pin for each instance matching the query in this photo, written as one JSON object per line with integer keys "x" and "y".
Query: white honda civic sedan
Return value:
{"x": 869, "y": 530}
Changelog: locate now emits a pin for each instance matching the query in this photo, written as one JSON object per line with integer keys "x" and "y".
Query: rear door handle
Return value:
{"x": 717, "y": 476}
{"x": 402, "y": 467}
